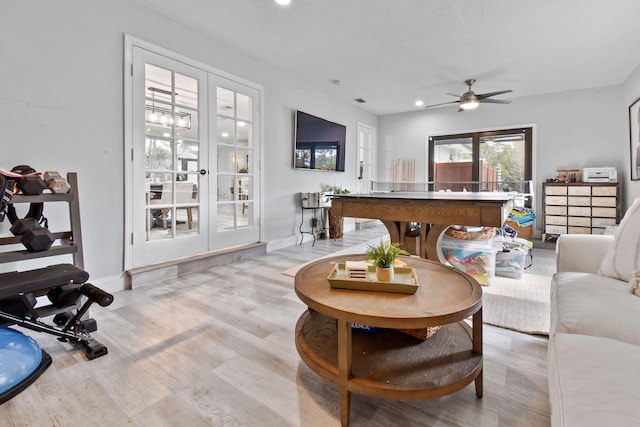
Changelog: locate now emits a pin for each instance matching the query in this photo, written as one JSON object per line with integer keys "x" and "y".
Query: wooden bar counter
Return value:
{"x": 434, "y": 211}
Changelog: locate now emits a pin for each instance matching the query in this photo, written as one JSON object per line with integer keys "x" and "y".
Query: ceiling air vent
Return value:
{"x": 360, "y": 100}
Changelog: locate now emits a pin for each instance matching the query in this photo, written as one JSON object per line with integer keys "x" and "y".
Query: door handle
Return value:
{"x": 203, "y": 171}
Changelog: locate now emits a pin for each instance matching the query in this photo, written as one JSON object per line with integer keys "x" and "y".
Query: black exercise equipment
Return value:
{"x": 33, "y": 235}
{"x": 6, "y": 194}
{"x": 31, "y": 185}
{"x": 19, "y": 227}
{"x": 37, "y": 239}
{"x": 61, "y": 291}
{"x": 69, "y": 295}
{"x": 31, "y": 182}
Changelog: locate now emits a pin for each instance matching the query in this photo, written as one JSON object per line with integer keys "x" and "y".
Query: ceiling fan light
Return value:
{"x": 469, "y": 105}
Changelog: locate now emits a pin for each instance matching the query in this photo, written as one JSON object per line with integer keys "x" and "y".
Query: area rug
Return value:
{"x": 518, "y": 304}
{"x": 357, "y": 249}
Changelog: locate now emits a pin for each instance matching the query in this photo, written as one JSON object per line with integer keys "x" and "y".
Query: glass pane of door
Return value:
{"x": 172, "y": 153}
{"x": 493, "y": 160}
{"x": 502, "y": 163}
{"x": 234, "y": 136}
{"x": 453, "y": 164}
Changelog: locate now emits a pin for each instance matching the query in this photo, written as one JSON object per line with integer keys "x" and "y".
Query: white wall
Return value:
{"x": 571, "y": 130}
{"x": 61, "y": 109}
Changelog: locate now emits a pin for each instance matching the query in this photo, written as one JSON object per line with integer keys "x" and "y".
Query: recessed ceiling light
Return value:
{"x": 419, "y": 103}
{"x": 283, "y": 2}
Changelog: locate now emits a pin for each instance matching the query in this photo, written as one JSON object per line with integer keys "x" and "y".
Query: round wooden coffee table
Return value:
{"x": 390, "y": 364}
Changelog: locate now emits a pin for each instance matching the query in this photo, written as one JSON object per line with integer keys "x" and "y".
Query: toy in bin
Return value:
{"x": 359, "y": 327}
{"x": 478, "y": 264}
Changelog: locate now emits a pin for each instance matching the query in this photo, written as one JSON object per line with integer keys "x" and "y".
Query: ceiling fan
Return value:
{"x": 470, "y": 100}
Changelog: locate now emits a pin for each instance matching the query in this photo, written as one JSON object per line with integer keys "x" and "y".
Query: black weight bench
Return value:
{"x": 69, "y": 295}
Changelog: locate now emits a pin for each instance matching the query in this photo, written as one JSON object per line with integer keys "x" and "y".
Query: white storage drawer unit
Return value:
{"x": 579, "y": 207}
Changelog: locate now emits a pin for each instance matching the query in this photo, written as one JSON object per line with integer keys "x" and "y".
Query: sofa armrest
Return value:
{"x": 581, "y": 252}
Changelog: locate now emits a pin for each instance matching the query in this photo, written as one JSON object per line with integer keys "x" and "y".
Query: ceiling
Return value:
{"x": 393, "y": 52}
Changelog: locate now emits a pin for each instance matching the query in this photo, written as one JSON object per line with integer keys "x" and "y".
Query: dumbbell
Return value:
{"x": 56, "y": 183}
{"x": 34, "y": 237}
{"x": 30, "y": 183}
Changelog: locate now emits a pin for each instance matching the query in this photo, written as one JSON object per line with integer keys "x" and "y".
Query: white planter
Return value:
{"x": 385, "y": 274}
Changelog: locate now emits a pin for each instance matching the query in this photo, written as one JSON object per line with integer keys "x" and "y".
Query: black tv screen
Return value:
{"x": 319, "y": 143}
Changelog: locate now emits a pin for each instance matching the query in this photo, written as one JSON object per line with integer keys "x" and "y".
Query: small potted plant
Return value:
{"x": 383, "y": 256}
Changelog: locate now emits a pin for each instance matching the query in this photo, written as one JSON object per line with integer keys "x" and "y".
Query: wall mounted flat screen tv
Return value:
{"x": 319, "y": 143}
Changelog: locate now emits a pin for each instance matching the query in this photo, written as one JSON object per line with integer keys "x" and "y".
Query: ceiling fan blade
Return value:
{"x": 442, "y": 103}
{"x": 494, "y": 101}
{"x": 453, "y": 94}
{"x": 488, "y": 94}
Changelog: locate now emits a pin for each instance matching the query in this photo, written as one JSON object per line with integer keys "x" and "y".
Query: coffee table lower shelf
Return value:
{"x": 389, "y": 364}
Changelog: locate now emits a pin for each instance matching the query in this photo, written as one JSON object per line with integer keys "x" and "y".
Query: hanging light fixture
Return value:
{"x": 469, "y": 101}
{"x": 161, "y": 116}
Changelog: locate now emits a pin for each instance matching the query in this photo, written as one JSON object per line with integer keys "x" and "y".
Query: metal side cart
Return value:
{"x": 315, "y": 222}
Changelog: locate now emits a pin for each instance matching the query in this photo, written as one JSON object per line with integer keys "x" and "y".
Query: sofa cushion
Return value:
{"x": 634, "y": 283}
{"x": 590, "y": 304}
{"x": 593, "y": 381}
{"x": 623, "y": 258}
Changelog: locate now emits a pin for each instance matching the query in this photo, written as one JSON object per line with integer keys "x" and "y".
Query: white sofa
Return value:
{"x": 594, "y": 340}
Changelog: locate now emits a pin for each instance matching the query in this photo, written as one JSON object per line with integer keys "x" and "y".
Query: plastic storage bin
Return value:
{"x": 477, "y": 258}
{"x": 511, "y": 264}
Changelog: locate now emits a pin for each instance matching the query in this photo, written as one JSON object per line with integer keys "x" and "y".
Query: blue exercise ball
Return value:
{"x": 20, "y": 356}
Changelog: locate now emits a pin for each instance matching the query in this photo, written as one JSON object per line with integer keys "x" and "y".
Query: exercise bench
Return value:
{"x": 69, "y": 296}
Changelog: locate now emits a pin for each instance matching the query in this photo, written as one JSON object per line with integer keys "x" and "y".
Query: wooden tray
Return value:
{"x": 405, "y": 280}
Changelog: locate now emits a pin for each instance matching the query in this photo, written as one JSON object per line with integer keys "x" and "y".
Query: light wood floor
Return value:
{"x": 217, "y": 349}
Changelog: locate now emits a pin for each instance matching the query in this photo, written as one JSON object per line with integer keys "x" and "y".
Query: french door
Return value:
{"x": 194, "y": 177}
{"x": 366, "y": 157}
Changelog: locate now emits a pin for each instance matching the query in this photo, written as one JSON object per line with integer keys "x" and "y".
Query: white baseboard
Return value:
{"x": 282, "y": 243}
{"x": 110, "y": 284}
